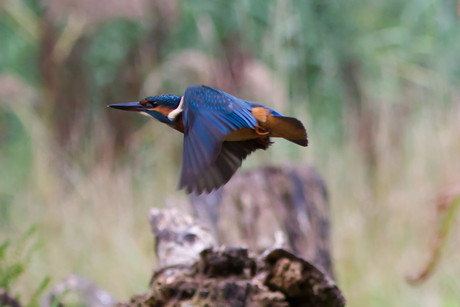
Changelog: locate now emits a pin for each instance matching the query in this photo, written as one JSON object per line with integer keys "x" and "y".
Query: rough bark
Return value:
{"x": 227, "y": 276}
{"x": 8, "y": 300}
{"x": 258, "y": 206}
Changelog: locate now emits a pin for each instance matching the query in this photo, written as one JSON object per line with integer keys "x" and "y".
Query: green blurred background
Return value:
{"x": 375, "y": 82}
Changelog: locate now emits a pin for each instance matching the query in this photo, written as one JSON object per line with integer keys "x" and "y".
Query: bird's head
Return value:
{"x": 158, "y": 107}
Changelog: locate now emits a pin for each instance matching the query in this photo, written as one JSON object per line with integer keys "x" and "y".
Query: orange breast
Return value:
{"x": 179, "y": 124}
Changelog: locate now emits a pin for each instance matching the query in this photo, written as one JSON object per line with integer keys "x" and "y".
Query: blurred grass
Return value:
{"x": 376, "y": 84}
{"x": 14, "y": 261}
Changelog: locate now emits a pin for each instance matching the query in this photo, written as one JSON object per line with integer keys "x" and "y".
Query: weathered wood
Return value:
{"x": 256, "y": 205}
{"x": 8, "y": 300}
{"x": 302, "y": 283}
{"x": 179, "y": 239}
{"x": 227, "y": 276}
{"x": 230, "y": 277}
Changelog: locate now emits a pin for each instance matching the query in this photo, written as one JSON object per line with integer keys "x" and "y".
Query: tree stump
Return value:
{"x": 258, "y": 206}
{"x": 195, "y": 272}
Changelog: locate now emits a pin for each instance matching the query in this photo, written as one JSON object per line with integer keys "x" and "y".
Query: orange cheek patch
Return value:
{"x": 162, "y": 110}
{"x": 260, "y": 114}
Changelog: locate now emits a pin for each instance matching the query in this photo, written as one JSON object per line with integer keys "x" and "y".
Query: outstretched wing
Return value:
{"x": 209, "y": 116}
{"x": 224, "y": 167}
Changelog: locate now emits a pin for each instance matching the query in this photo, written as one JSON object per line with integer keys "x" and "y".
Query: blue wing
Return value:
{"x": 227, "y": 162}
{"x": 209, "y": 116}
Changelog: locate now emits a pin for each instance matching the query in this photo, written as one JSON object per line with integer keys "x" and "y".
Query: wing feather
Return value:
{"x": 209, "y": 116}
{"x": 227, "y": 163}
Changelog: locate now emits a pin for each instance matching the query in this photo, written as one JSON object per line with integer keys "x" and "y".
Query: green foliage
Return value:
{"x": 110, "y": 45}
{"x": 14, "y": 261}
{"x": 35, "y": 298}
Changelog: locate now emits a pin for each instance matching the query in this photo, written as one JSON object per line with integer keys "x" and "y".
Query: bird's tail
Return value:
{"x": 289, "y": 128}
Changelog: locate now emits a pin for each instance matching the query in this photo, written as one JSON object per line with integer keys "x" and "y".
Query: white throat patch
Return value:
{"x": 172, "y": 115}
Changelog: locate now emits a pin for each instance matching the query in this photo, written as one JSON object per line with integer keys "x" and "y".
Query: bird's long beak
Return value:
{"x": 128, "y": 106}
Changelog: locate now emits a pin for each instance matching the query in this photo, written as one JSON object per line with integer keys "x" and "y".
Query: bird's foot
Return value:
{"x": 261, "y": 131}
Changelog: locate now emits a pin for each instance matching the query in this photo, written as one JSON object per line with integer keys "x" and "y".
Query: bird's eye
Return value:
{"x": 148, "y": 103}
{"x": 152, "y": 104}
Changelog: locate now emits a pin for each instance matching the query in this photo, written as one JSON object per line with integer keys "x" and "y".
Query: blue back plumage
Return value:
{"x": 228, "y": 112}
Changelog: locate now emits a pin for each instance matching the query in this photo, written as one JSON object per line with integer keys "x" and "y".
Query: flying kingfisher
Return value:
{"x": 220, "y": 131}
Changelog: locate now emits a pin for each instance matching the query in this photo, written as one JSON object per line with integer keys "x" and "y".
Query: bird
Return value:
{"x": 220, "y": 131}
